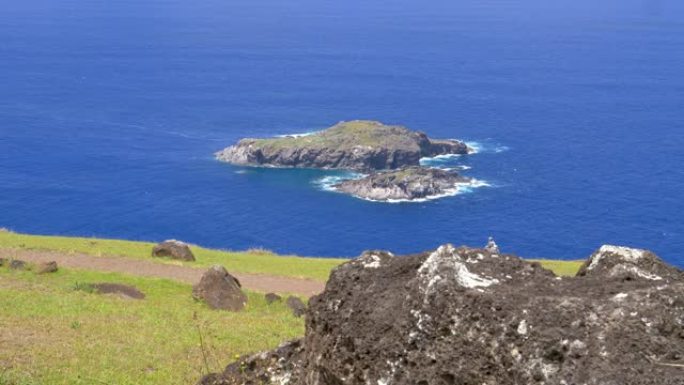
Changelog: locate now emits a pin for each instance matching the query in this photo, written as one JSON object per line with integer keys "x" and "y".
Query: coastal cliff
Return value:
{"x": 360, "y": 145}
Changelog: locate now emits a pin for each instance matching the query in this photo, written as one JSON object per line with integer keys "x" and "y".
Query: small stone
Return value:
{"x": 16, "y": 264}
{"x": 125, "y": 291}
{"x": 173, "y": 249}
{"x": 272, "y": 297}
{"x": 298, "y": 307}
{"x": 46, "y": 267}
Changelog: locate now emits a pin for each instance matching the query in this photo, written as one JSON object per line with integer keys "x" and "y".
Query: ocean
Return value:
{"x": 110, "y": 112}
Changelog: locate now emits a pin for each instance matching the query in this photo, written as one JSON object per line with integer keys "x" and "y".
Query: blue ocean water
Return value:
{"x": 110, "y": 112}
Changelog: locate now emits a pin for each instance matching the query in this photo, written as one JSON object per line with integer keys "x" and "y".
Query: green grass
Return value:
{"x": 255, "y": 262}
{"x": 53, "y": 334}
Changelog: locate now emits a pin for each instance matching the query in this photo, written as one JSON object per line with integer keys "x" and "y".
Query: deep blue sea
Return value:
{"x": 110, "y": 112}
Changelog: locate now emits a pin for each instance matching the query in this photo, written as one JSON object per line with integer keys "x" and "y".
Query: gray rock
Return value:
{"x": 272, "y": 297}
{"x": 469, "y": 316}
{"x": 46, "y": 267}
{"x": 297, "y": 305}
{"x": 124, "y": 291}
{"x": 173, "y": 249}
{"x": 220, "y": 290}
{"x": 16, "y": 264}
{"x": 355, "y": 145}
{"x": 404, "y": 184}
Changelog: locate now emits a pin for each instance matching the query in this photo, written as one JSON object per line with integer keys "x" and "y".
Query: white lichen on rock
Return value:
{"x": 446, "y": 263}
{"x": 625, "y": 253}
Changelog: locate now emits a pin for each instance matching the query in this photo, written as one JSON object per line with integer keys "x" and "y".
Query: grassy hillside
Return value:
{"x": 51, "y": 333}
{"x": 255, "y": 262}
{"x": 252, "y": 261}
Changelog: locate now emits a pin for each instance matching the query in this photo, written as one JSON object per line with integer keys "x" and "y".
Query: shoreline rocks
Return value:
{"x": 360, "y": 145}
{"x": 458, "y": 315}
{"x": 405, "y": 184}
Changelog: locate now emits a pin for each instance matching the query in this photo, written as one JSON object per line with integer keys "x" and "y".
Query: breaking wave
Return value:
{"x": 327, "y": 182}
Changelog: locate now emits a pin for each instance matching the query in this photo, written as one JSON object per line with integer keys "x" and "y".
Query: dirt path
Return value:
{"x": 255, "y": 282}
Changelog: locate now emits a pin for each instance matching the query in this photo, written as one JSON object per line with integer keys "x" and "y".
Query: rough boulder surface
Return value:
{"x": 405, "y": 184}
{"x": 46, "y": 267}
{"x": 173, "y": 249}
{"x": 220, "y": 290}
{"x": 296, "y": 305}
{"x": 272, "y": 297}
{"x": 470, "y": 316}
{"x": 16, "y": 264}
{"x": 355, "y": 145}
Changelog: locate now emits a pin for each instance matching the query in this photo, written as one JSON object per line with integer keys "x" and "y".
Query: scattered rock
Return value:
{"x": 272, "y": 297}
{"x": 173, "y": 249}
{"x": 121, "y": 290}
{"x": 46, "y": 267}
{"x": 298, "y": 307}
{"x": 404, "y": 184}
{"x": 473, "y": 316}
{"x": 357, "y": 145}
{"x": 16, "y": 264}
{"x": 220, "y": 290}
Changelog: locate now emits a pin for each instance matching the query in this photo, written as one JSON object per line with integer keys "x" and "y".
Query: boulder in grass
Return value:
{"x": 220, "y": 290}
{"x": 298, "y": 307}
{"x": 16, "y": 264}
{"x": 173, "y": 249}
{"x": 123, "y": 291}
{"x": 46, "y": 267}
{"x": 272, "y": 297}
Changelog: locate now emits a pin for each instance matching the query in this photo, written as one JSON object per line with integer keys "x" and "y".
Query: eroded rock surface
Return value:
{"x": 173, "y": 249}
{"x": 46, "y": 267}
{"x": 220, "y": 290}
{"x": 354, "y": 145}
{"x": 404, "y": 184}
{"x": 471, "y": 316}
{"x": 297, "y": 306}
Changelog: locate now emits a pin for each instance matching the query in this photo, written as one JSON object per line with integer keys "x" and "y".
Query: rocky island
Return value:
{"x": 359, "y": 145}
{"x": 411, "y": 183}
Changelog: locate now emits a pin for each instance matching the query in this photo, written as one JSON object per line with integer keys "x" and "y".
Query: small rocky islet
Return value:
{"x": 388, "y": 155}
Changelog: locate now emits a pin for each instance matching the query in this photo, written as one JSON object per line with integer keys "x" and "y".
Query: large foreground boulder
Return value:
{"x": 220, "y": 290}
{"x": 173, "y": 249}
{"x": 477, "y": 317}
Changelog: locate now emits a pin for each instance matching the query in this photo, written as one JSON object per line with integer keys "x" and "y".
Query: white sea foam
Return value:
{"x": 459, "y": 188}
{"x": 298, "y": 135}
{"x": 486, "y": 146}
{"x": 327, "y": 182}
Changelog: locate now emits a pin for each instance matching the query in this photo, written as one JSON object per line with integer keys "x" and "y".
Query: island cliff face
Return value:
{"x": 405, "y": 184}
{"x": 356, "y": 145}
